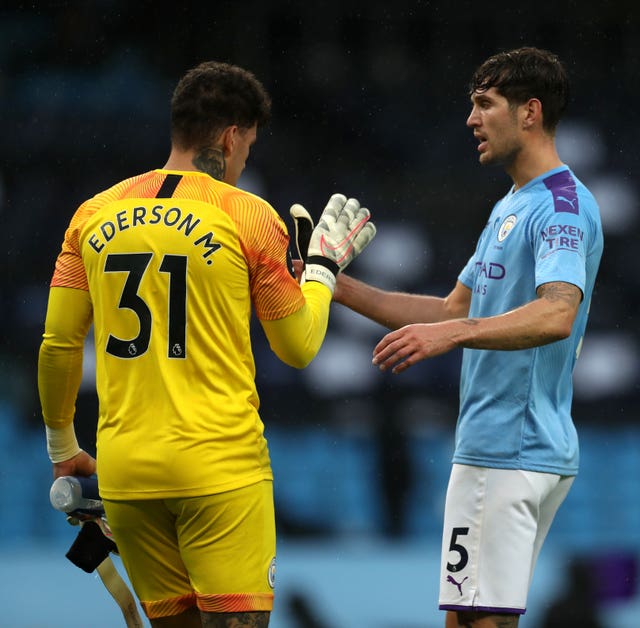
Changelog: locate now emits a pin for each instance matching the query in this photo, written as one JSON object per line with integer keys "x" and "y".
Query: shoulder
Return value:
{"x": 559, "y": 195}
{"x": 571, "y": 202}
{"x": 566, "y": 192}
{"x": 249, "y": 211}
{"x": 102, "y": 198}
{"x": 115, "y": 192}
{"x": 236, "y": 199}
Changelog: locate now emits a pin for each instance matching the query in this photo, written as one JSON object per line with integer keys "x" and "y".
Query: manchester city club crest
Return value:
{"x": 271, "y": 573}
{"x": 505, "y": 228}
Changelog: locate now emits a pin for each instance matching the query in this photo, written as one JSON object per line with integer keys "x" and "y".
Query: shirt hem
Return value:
{"x": 164, "y": 493}
{"x": 484, "y": 609}
{"x": 515, "y": 464}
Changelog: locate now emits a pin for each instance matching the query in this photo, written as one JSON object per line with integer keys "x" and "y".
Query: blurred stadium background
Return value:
{"x": 369, "y": 99}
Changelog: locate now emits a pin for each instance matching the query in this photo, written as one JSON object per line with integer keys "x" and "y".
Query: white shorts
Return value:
{"x": 495, "y": 522}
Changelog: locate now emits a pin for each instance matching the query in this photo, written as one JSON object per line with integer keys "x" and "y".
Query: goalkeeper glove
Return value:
{"x": 304, "y": 226}
{"x": 342, "y": 233}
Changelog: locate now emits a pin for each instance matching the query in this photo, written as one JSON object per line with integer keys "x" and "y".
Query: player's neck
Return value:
{"x": 533, "y": 161}
{"x": 180, "y": 160}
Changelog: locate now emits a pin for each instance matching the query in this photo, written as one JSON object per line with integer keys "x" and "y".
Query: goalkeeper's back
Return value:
{"x": 173, "y": 261}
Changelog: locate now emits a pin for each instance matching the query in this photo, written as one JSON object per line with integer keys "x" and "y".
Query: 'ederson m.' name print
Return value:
{"x": 132, "y": 217}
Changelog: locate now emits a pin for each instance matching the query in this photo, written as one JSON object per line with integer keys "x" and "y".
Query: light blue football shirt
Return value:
{"x": 515, "y": 406}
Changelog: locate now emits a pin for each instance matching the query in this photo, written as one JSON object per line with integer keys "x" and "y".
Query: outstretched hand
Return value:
{"x": 342, "y": 233}
{"x": 404, "y": 347}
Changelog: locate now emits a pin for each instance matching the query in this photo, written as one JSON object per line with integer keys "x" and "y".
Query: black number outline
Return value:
{"x": 176, "y": 267}
{"x": 135, "y": 265}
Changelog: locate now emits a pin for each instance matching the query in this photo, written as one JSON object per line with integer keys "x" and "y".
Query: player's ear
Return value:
{"x": 531, "y": 113}
{"x": 228, "y": 139}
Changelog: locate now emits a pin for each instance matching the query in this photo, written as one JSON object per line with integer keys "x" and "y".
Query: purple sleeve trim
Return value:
{"x": 563, "y": 188}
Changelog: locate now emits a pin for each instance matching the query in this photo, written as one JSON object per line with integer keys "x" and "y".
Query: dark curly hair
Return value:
{"x": 213, "y": 96}
{"x": 526, "y": 73}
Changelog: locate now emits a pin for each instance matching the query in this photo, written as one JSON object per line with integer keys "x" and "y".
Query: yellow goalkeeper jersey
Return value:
{"x": 173, "y": 262}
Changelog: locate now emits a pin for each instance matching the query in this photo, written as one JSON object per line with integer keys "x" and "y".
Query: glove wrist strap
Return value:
{"x": 320, "y": 260}
{"x": 318, "y": 268}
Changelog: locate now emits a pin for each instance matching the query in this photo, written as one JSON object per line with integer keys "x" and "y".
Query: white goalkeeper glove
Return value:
{"x": 342, "y": 233}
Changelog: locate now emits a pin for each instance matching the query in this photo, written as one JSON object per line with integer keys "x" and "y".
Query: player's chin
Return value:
{"x": 486, "y": 159}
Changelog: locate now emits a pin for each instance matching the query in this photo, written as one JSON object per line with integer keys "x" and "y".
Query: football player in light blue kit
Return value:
{"x": 545, "y": 232}
{"x": 519, "y": 310}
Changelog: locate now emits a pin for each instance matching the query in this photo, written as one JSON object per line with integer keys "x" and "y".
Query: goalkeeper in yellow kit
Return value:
{"x": 167, "y": 266}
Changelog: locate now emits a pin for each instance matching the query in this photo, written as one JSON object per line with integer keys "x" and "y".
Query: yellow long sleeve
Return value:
{"x": 296, "y": 339}
{"x": 69, "y": 315}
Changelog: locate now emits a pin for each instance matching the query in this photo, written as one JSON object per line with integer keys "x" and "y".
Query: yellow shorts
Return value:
{"x": 215, "y": 551}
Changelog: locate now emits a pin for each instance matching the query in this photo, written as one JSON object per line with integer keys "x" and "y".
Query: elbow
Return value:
{"x": 565, "y": 331}
{"x": 566, "y": 321}
{"x": 296, "y": 360}
{"x": 299, "y": 363}
{"x": 452, "y": 309}
{"x": 561, "y": 328}
{"x": 560, "y": 303}
{"x": 53, "y": 341}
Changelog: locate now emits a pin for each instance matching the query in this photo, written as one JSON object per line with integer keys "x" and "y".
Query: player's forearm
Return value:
{"x": 60, "y": 359}
{"x": 60, "y": 367}
{"x": 390, "y": 309}
{"x": 59, "y": 376}
{"x": 535, "y": 324}
{"x": 296, "y": 339}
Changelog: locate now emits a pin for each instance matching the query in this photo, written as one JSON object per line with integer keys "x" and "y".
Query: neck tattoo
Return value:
{"x": 211, "y": 161}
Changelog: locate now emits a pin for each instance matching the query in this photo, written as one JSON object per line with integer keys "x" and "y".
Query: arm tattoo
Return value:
{"x": 561, "y": 291}
{"x": 211, "y": 161}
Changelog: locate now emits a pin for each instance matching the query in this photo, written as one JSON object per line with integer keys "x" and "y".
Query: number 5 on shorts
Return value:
{"x": 454, "y": 546}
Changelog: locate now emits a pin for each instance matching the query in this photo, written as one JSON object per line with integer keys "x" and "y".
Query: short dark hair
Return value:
{"x": 213, "y": 96}
{"x": 526, "y": 73}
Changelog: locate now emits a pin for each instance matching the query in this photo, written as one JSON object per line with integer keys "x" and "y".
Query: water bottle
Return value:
{"x": 70, "y": 493}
